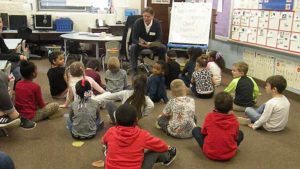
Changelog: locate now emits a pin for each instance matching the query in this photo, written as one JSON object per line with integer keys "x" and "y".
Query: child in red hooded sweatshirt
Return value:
{"x": 126, "y": 143}
{"x": 220, "y": 135}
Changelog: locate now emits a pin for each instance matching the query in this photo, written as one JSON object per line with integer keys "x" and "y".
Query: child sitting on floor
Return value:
{"x": 58, "y": 85}
{"x": 273, "y": 115}
{"x": 126, "y": 143}
{"x": 172, "y": 68}
{"x": 115, "y": 77}
{"x": 202, "y": 79}
{"x": 84, "y": 119}
{"x": 156, "y": 88}
{"x": 189, "y": 68}
{"x": 9, "y": 117}
{"x": 92, "y": 70}
{"x": 245, "y": 88}
{"x": 219, "y": 136}
{"x": 75, "y": 73}
{"x": 136, "y": 97}
{"x": 215, "y": 65}
{"x": 178, "y": 118}
{"x": 29, "y": 101}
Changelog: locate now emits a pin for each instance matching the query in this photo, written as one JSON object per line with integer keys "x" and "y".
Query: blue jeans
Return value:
{"x": 6, "y": 162}
{"x": 253, "y": 114}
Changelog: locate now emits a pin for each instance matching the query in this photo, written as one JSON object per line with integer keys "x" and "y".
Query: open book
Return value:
{"x": 151, "y": 44}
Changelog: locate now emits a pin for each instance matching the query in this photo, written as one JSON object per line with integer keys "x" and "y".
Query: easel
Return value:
{"x": 192, "y": 29}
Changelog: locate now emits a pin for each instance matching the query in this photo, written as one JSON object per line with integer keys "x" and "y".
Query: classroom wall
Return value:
{"x": 234, "y": 52}
{"x": 82, "y": 20}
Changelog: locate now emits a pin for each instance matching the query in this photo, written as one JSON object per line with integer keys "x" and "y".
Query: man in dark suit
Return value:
{"x": 145, "y": 31}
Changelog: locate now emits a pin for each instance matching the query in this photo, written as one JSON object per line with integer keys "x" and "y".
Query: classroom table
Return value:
{"x": 95, "y": 38}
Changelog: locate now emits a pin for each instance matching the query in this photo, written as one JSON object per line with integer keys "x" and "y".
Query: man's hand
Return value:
{"x": 144, "y": 45}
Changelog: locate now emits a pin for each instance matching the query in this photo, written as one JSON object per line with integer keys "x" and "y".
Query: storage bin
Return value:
{"x": 63, "y": 25}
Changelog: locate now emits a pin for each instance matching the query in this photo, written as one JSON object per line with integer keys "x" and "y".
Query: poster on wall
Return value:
{"x": 160, "y": 1}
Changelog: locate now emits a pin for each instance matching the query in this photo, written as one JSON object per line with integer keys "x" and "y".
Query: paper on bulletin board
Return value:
{"x": 274, "y": 20}
{"x": 290, "y": 70}
{"x": 296, "y": 22}
{"x": 262, "y": 36}
{"x": 249, "y": 58}
{"x": 263, "y": 19}
{"x": 296, "y": 5}
{"x": 244, "y": 34}
{"x": 283, "y": 40}
{"x": 295, "y": 42}
{"x": 272, "y": 38}
{"x": 220, "y": 6}
{"x": 264, "y": 66}
{"x": 253, "y": 21}
{"x": 235, "y": 32}
{"x": 286, "y": 21}
{"x": 245, "y": 17}
{"x": 252, "y": 38}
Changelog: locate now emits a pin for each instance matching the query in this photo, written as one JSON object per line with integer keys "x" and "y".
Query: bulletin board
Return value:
{"x": 262, "y": 66}
{"x": 272, "y": 29}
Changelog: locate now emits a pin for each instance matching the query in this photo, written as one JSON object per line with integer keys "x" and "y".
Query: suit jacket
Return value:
{"x": 5, "y": 54}
{"x": 139, "y": 31}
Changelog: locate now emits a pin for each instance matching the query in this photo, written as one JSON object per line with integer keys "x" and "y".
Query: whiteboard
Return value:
{"x": 190, "y": 23}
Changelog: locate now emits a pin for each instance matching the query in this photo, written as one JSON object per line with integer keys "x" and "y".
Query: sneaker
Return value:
{"x": 172, "y": 152}
{"x": 27, "y": 124}
{"x": 156, "y": 125}
{"x": 244, "y": 121}
{"x": 7, "y": 122}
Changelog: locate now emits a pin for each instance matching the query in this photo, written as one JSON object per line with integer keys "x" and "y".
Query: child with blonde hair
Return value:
{"x": 202, "y": 79}
{"x": 178, "y": 118}
{"x": 75, "y": 73}
{"x": 245, "y": 88}
{"x": 115, "y": 77}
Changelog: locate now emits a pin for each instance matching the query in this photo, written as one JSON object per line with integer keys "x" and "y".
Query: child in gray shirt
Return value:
{"x": 84, "y": 119}
{"x": 116, "y": 78}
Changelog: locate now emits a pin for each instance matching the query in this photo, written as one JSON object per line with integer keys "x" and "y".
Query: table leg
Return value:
{"x": 97, "y": 50}
{"x": 65, "y": 45}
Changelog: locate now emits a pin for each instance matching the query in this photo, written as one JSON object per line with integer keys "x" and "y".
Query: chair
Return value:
{"x": 112, "y": 49}
{"x": 126, "y": 42}
{"x": 75, "y": 52}
{"x": 24, "y": 33}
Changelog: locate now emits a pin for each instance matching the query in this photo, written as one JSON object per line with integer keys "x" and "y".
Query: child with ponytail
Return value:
{"x": 215, "y": 65}
{"x": 84, "y": 119}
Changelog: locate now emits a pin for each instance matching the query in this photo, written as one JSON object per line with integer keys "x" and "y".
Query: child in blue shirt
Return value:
{"x": 156, "y": 88}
